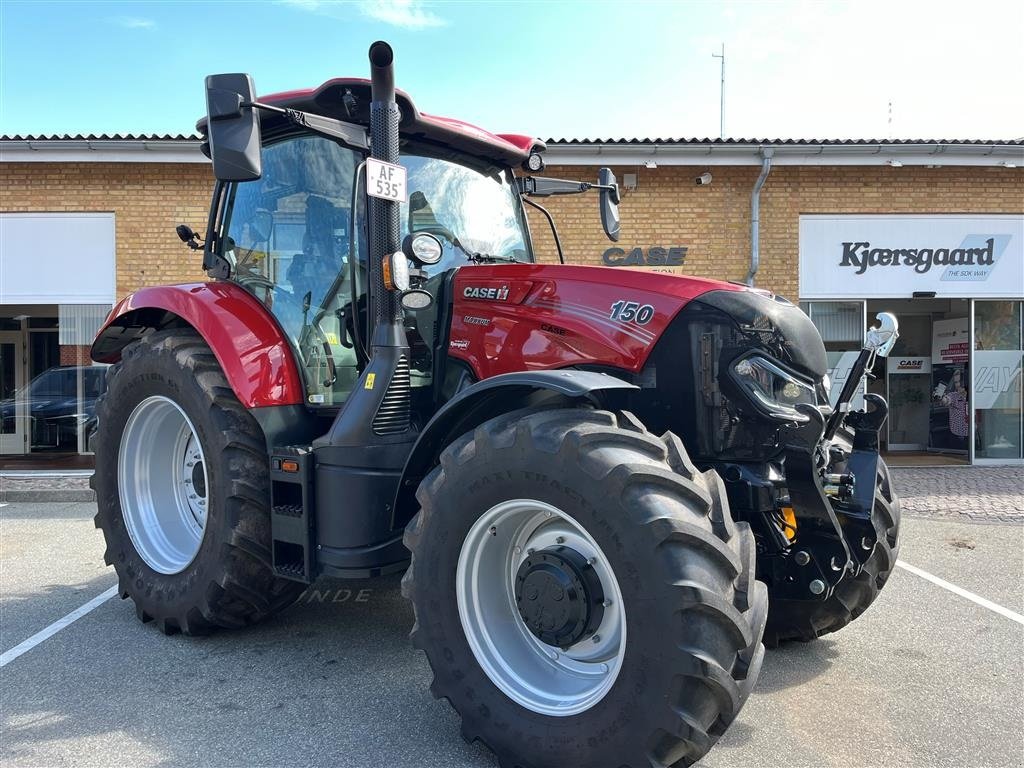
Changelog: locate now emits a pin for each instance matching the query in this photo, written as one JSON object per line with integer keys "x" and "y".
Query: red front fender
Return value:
{"x": 249, "y": 345}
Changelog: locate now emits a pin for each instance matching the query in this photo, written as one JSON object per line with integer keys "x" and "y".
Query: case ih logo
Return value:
{"x": 488, "y": 294}
{"x": 911, "y": 365}
{"x": 862, "y": 255}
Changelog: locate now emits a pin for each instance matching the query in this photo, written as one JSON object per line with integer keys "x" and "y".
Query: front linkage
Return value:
{"x": 832, "y": 469}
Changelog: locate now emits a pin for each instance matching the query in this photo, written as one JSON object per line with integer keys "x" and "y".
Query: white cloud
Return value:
{"x": 407, "y": 14}
{"x": 133, "y": 22}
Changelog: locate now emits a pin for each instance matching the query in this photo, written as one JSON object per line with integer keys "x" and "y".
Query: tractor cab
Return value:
{"x": 289, "y": 221}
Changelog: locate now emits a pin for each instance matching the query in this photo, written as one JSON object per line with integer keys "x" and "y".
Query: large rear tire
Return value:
{"x": 661, "y": 672}
{"x": 183, "y": 492}
{"x": 806, "y": 620}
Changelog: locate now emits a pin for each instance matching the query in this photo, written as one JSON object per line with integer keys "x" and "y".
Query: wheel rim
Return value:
{"x": 162, "y": 483}
{"x": 540, "y": 677}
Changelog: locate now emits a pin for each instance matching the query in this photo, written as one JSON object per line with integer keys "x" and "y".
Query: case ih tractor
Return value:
{"x": 603, "y": 486}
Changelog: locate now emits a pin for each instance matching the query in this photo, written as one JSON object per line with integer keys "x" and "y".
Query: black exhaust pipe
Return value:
{"x": 378, "y": 410}
{"x": 383, "y": 214}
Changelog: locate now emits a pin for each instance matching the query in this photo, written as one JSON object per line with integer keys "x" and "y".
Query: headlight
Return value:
{"x": 773, "y": 389}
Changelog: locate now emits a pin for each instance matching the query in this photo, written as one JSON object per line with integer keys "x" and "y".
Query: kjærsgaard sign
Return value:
{"x": 897, "y": 255}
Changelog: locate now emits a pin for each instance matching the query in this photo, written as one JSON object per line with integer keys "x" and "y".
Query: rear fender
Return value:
{"x": 252, "y": 350}
{"x": 487, "y": 399}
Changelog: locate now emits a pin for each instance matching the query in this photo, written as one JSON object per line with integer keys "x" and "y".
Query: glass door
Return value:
{"x": 12, "y": 408}
{"x": 998, "y": 336}
{"x": 909, "y": 384}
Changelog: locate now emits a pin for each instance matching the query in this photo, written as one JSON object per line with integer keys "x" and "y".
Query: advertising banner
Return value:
{"x": 892, "y": 255}
{"x": 950, "y": 419}
{"x": 951, "y": 341}
{"x": 997, "y": 379}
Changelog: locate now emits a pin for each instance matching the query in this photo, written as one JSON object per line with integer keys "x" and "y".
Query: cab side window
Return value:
{"x": 288, "y": 238}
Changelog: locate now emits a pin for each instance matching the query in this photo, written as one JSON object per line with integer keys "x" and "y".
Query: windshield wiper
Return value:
{"x": 480, "y": 258}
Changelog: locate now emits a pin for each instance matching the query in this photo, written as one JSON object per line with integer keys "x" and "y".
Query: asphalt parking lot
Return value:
{"x": 926, "y": 677}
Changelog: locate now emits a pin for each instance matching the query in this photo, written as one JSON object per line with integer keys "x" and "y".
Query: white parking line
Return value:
{"x": 962, "y": 592}
{"x": 8, "y": 656}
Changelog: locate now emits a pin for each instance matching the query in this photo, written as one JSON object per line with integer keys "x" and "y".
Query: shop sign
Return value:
{"x": 652, "y": 259}
{"x": 891, "y": 255}
{"x": 908, "y": 365}
{"x": 951, "y": 341}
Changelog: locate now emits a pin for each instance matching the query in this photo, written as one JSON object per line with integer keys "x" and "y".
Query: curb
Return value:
{"x": 48, "y": 495}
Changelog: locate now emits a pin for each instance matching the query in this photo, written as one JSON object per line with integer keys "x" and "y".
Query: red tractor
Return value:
{"x": 603, "y": 486}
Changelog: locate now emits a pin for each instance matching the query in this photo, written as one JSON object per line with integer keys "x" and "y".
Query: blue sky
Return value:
{"x": 563, "y": 69}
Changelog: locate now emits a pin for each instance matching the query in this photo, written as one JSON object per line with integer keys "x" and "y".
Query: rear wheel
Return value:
{"x": 582, "y": 593}
{"x": 807, "y": 620}
{"x": 182, "y": 490}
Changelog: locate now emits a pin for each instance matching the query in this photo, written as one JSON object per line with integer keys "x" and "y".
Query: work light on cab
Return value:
{"x": 422, "y": 247}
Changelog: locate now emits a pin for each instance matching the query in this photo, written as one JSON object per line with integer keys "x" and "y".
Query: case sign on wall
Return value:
{"x": 895, "y": 255}
{"x": 908, "y": 364}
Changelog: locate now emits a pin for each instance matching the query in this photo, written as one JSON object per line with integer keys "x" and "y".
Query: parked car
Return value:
{"x": 51, "y": 404}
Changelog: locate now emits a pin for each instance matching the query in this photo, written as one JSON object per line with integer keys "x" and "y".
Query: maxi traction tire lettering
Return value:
{"x": 230, "y": 582}
{"x": 694, "y": 612}
{"x": 806, "y": 620}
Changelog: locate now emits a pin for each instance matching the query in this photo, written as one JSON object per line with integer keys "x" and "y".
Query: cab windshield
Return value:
{"x": 476, "y": 215}
{"x": 289, "y": 239}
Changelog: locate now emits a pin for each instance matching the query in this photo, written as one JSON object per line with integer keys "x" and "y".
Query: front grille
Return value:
{"x": 394, "y": 411}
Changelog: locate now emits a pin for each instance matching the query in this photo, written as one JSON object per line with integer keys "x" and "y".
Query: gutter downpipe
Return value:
{"x": 755, "y": 214}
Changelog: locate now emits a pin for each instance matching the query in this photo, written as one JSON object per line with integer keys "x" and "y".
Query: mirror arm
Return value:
{"x": 542, "y": 186}
{"x": 347, "y": 134}
{"x": 551, "y": 222}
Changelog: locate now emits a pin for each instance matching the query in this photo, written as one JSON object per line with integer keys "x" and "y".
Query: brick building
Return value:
{"x": 86, "y": 220}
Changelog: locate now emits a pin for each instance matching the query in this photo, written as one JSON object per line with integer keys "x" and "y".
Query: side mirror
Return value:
{"x": 233, "y": 129}
{"x": 609, "y": 203}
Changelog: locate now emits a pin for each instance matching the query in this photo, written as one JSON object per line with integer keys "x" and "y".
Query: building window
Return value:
{"x": 998, "y": 334}
{"x": 48, "y": 384}
{"x": 841, "y": 325}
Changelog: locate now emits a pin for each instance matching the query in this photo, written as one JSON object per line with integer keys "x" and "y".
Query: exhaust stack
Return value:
{"x": 386, "y": 311}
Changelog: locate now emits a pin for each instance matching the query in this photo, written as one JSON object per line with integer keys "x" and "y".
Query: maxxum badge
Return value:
{"x": 862, "y": 256}
{"x": 492, "y": 294}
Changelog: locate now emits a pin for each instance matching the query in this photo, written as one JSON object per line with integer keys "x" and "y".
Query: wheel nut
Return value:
{"x": 802, "y": 558}
{"x": 604, "y": 667}
{"x": 554, "y": 655}
{"x": 817, "y": 587}
{"x": 560, "y": 540}
{"x": 596, "y": 639}
{"x": 607, "y": 603}
{"x": 493, "y": 531}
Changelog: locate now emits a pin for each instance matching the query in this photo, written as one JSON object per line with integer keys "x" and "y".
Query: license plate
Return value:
{"x": 386, "y": 181}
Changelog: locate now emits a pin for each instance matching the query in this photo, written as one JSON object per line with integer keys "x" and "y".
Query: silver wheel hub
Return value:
{"x": 162, "y": 484}
{"x": 502, "y": 568}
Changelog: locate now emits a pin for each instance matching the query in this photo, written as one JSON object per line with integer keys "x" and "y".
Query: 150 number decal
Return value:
{"x": 632, "y": 312}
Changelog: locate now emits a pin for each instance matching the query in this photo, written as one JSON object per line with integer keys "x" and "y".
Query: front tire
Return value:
{"x": 182, "y": 490}
{"x": 621, "y": 518}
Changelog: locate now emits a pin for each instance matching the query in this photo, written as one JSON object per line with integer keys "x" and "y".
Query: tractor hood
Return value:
{"x": 515, "y": 317}
{"x": 782, "y": 328}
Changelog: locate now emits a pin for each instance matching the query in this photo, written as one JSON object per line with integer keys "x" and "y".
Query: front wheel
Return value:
{"x": 582, "y": 593}
{"x": 182, "y": 490}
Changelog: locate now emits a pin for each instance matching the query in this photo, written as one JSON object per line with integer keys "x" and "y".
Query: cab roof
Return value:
{"x": 348, "y": 99}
